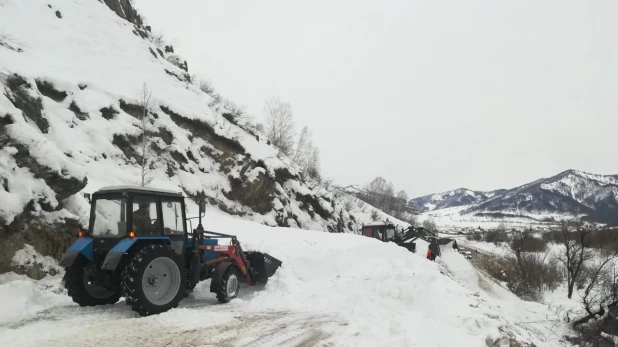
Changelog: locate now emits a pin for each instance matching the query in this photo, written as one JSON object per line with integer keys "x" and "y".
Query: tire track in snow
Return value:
{"x": 116, "y": 326}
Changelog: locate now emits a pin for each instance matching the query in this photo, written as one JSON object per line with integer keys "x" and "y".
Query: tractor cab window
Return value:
{"x": 145, "y": 218}
{"x": 172, "y": 217}
{"x": 110, "y": 217}
{"x": 377, "y": 234}
{"x": 390, "y": 233}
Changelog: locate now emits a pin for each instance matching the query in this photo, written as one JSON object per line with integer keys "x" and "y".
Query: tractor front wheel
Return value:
{"x": 230, "y": 284}
{"x": 154, "y": 280}
{"x": 82, "y": 290}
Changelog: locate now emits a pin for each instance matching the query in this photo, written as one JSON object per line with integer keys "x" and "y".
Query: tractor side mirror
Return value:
{"x": 87, "y": 196}
{"x": 202, "y": 208}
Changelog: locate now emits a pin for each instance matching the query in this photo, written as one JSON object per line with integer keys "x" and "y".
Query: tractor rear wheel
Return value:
{"x": 154, "y": 281}
{"x": 229, "y": 285}
{"x": 82, "y": 290}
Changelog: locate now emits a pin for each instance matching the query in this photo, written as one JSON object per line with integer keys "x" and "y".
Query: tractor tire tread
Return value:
{"x": 130, "y": 283}
{"x": 222, "y": 296}
{"x": 73, "y": 283}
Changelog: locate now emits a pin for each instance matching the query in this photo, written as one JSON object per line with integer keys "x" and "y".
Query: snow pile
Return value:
{"x": 21, "y": 296}
{"x": 29, "y": 257}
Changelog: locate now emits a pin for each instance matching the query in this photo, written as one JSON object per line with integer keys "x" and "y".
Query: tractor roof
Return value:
{"x": 110, "y": 189}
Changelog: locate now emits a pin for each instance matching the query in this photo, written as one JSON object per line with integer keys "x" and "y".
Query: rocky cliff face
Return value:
{"x": 70, "y": 122}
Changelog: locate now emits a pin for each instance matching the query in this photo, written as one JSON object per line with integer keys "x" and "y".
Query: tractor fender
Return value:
{"x": 126, "y": 245}
{"x": 84, "y": 246}
{"x": 217, "y": 276}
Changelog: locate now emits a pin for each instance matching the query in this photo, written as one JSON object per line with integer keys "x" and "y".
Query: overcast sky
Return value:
{"x": 432, "y": 95}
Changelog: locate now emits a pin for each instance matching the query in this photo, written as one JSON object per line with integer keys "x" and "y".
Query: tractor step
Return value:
{"x": 263, "y": 264}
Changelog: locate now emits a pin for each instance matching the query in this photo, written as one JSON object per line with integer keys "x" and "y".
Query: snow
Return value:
{"x": 22, "y": 187}
{"x": 28, "y": 257}
{"x": 337, "y": 289}
{"x": 95, "y": 58}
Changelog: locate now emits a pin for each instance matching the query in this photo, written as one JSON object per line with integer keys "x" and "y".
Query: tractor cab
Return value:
{"x": 383, "y": 231}
{"x": 134, "y": 212}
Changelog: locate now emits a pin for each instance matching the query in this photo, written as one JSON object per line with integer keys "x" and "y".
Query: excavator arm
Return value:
{"x": 407, "y": 237}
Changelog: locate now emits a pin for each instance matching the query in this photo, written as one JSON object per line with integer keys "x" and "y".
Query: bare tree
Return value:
{"x": 145, "y": 152}
{"x": 602, "y": 284}
{"x": 206, "y": 86}
{"x": 402, "y": 195}
{"x": 430, "y": 225}
{"x": 280, "y": 125}
{"x": 575, "y": 253}
{"x": 313, "y": 164}
{"x": 303, "y": 147}
{"x": 236, "y": 113}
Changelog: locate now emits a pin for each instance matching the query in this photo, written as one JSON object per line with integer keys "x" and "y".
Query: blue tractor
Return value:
{"x": 138, "y": 246}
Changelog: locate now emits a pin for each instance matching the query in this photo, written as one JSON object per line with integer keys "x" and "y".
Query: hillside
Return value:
{"x": 593, "y": 198}
{"x": 71, "y": 122}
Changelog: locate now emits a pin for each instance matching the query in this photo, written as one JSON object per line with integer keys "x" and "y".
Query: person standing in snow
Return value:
{"x": 429, "y": 254}
{"x": 455, "y": 247}
{"x": 434, "y": 248}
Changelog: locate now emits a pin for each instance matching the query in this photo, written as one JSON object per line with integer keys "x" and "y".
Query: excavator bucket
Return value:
{"x": 264, "y": 265}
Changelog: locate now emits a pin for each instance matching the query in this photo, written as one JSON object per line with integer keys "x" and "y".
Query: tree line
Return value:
{"x": 586, "y": 263}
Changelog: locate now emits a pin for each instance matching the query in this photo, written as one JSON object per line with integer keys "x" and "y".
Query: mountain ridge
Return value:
{"x": 570, "y": 193}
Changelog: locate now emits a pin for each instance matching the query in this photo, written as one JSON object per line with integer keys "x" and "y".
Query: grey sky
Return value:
{"x": 432, "y": 95}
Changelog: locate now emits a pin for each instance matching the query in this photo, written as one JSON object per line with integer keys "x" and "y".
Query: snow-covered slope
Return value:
{"x": 570, "y": 193}
{"x": 70, "y": 79}
{"x": 332, "y": 290}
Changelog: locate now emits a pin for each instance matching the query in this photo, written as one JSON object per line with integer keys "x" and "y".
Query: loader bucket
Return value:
{"x": 263, "y": 264}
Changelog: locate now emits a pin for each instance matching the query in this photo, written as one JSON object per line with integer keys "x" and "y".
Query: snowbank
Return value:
{"x": 357, "y": 291}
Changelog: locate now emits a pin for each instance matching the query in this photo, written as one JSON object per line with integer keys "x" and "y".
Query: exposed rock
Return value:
{"x": 48, "y": 90}
{"x": 313, "y": 202}
{"x": 257, "y": 194}
{"x": 82, "y": 86}
{"x": 503, "y": 342}
{"x": 169, "y": 49}
{"x": 183, "y": 78}
{"x": 20, "y": 98}
{"x": 125, "y": 143}
{"x": 153, "y": 53}
{"x": 136, "y": 111}
{"x": 108, "y": 113}
{"x": 47, "y": 239}
{"x": 4, "y": 137}
{"x": 203, "y": 130}
{"x": 124, "y": 9}
{"x": 58, "y": 14}
{"x": 166, "y": 136}
{"x": 78, "y": 113}
{"x": 142, "y": 33}
{"x": 63, "y": 185}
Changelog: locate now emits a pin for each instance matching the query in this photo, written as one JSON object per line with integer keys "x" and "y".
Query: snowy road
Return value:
{"x": 198, "y": 322}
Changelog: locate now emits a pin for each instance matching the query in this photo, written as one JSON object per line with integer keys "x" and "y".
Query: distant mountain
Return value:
{"x": 451, "y": 198}
{"x": 589, "y": 196}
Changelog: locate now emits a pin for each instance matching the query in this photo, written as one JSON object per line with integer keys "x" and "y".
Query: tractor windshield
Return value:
{"x": 110, "y": 217}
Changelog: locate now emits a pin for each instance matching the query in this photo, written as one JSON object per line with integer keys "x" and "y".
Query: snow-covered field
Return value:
{"x": 332, "y": 290}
